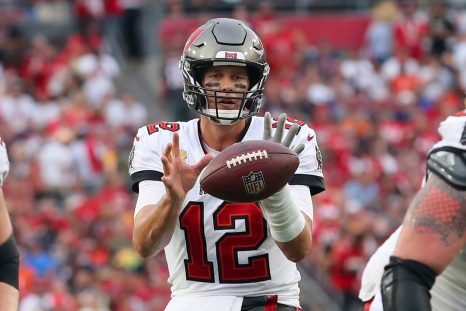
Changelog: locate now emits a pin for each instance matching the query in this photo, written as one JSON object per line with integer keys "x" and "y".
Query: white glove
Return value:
{"x": 283, "y": 215}
{"x": 279, "y": 132}
{"x": 4, "y": 163}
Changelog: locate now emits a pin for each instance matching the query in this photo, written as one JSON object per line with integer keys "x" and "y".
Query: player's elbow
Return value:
{"x": 298, "y": 248}
{"x": 143, "y": 252}
{"x": 295, "y": 257}
{"x": 143, "y": 249}
{"x": 300, "y": 253}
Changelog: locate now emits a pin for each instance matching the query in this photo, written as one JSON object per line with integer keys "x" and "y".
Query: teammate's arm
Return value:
{"x": 155, "y": 223}
{"x": 9, "y": 256}
{"x": 433, "y": 233}
{"x": 290, "y": 227}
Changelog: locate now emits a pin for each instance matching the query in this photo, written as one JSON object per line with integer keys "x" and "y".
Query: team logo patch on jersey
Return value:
{"x": 183, "y": 155}
{"x": 254, "y": 182}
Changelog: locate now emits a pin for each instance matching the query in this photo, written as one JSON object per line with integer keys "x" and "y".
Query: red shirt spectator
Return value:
{"x": 410, "y": 29}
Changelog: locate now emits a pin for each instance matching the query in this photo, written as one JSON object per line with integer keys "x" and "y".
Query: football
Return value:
{"x": 249, "y": 171}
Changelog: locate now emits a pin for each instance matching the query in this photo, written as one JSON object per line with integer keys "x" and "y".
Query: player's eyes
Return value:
{"x": 239, "y": 77}
{"x": 213, "y": 76}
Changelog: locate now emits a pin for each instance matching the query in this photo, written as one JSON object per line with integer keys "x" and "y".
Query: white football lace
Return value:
{"x": 247, "y": 157}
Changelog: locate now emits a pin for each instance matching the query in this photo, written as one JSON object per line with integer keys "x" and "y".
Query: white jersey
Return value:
{"x": 220, "y": 248}
{"x": 449, "y": 288}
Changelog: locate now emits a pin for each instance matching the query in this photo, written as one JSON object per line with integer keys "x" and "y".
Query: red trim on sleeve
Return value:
{"x": 367, "y": 305}
{"x": 271, "y": 304}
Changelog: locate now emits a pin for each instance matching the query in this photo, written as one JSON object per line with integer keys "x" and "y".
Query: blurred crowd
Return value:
{"x": 69, "y": 131}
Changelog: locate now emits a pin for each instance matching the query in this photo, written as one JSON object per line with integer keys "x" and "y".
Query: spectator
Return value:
{"x": 132, "y": 32}
{"x": 441, "y": 28}
{"x": 411, "y": 29}
{"x": 379, "y": 34}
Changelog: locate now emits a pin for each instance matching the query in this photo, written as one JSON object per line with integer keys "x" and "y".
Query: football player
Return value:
{"x": 9, "y": 256}
{"x": 223, "y": 255}
{"x": 430, "y": 246}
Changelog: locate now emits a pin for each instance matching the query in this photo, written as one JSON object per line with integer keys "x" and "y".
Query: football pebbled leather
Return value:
{"x": 249, "y": 171}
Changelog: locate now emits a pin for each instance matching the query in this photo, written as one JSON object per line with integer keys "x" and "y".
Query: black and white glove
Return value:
{"x": 4, "y": 162}
{"x": 279, "y": 132}
{"x": 285, "y": 219}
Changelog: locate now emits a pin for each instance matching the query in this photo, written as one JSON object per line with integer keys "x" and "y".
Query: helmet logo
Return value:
{"x": 230, "y": 55}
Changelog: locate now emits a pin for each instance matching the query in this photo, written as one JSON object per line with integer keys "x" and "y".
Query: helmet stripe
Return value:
{"x": 193, "y": 37}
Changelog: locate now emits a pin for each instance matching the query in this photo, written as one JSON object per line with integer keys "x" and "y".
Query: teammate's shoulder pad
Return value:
{"x": 449, "y": 164}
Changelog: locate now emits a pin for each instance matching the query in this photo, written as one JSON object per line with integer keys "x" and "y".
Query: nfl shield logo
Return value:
{"x": 254, "y": 183}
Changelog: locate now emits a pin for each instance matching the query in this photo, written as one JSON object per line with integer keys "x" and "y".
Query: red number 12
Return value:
{"x": 198, "y": 268}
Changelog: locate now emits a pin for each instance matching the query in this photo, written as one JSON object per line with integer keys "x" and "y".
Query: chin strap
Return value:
{"x": 228, "y": 114}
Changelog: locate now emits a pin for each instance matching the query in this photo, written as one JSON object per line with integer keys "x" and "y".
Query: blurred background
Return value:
{"x": 78, "y": 78}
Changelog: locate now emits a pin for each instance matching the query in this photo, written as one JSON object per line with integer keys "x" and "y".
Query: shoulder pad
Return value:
{"x": 449, "y": 164}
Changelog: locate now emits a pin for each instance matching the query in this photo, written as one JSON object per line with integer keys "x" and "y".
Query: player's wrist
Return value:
{"x": 285, "y": 219}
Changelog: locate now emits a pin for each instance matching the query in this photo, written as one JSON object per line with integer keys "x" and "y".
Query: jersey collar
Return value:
{"x": 201, "y": 142}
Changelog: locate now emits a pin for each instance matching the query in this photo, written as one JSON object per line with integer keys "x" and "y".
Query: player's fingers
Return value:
{"x": 290, "y": 135}
{"x": 168, "y": 151}
{"x": 203, "y": 162}
{"x": 279, "y": 132}
{"x": 299, "y": 148}
{"x": 267, "y": 126}
{"x": 176, "y": 145}
{"x": 166, "y": 165}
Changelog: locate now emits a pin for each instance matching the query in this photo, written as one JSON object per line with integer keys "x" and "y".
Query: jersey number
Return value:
{"x": 168, "y": 126}
{"x": 198, "y": 268}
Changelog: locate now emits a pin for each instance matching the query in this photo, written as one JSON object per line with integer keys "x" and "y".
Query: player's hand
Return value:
{"x": 279, "y": 132}
{"x": 4, "y": 162}
{"x": 179, "y": 177}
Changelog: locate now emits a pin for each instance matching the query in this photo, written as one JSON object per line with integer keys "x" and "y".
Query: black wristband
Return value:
{"x": 9, "y": 262}
{"x": 406, "y": 285}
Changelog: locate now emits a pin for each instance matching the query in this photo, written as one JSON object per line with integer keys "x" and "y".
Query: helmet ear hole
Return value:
{"x": 249, "y": 104}
{"x": 199, "y": 73}
{"x": 253, "y": 74}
